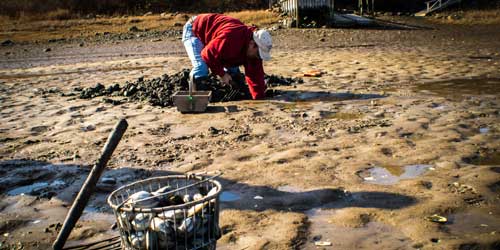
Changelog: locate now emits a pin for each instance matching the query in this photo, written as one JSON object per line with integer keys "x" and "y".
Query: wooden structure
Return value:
{"x": 323, "y": 7}
{"x": 366, "y": 6}
{"x": 293, "y": 7}
{"x": 435, "y": 5}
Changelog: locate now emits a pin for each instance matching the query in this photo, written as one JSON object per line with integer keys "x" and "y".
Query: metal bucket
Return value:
{"x": 191, "y": 101}
{"x": 196, "y": 102}
{"x": 175, "y": 212}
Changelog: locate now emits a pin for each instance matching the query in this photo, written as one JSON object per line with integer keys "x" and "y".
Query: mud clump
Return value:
{"x": 159, "y": 91}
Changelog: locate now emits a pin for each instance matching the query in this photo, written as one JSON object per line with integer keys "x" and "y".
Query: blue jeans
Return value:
{"x": 194, "y": 47}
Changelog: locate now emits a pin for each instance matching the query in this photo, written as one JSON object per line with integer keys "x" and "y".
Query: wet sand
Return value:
{"x": 333, "y": 159}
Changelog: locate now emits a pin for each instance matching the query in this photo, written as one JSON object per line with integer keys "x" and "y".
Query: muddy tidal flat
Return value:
{"x": 403, "y": 124}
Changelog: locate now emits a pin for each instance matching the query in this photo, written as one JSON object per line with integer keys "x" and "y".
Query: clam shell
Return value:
{"x": 175, "y": 200}
{"x": 171, "y": 215}
{"x": 197, "y": 196}
{"x": 187, "y": 225}
{"x": 135, "y": 200}
{"x": 138, "y": 240}
{"x": 162, "y": 226}
{"x": 141, "y": 221}
{"x": 187, "y": 198}
{"x": 162, "y": 190}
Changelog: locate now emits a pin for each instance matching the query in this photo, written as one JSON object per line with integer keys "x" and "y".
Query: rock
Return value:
{"x": 426, "y": 184}
{"x": 214, "y": 131}
{"x": 379, "y": 114}
{"x": 134, "y": 29}
{"x": 81, "y": 44}
{"x": 164, "y": 14}
{"x": 7, "y": 42}
{"x": 108, "y": 180}
{"x": 187, "y": 226}
{"x": 47, "y": 50}
{"x": 148, "y": 13}
{"x": 138, "y": 240}
{"x": 171, "y": 215}
{"x": 87, "y": 128}
{"x": 322, "y": 39}
{"x": 177, "y": 24}
{"x": 137, "y": 200}
{"x": 141, "y": 221}
{"x": 159, "y": 91}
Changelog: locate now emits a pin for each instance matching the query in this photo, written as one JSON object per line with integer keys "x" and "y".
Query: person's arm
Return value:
{"x": 212, "y": 55}
{"x": 254, "y": 75}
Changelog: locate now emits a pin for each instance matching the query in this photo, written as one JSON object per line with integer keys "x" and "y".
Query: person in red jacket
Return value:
{"x": 223, "y": 43}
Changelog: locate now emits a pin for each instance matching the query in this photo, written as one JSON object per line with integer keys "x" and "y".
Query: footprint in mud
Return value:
{"x": 244, "y": 158}
{"x": 28, "y": 107}
{"x": 364, "y": 233}
{"x": 495, "y": 187}
{"x": 37, "y": 130}
{"x": 310, "y": 154}
{"x": 291, "y": 155}
{"x": 386, "y": 151}
{"x": 495, "y": 169}
{"x": 9, "y": 224}
{"x": 60, "y": 112}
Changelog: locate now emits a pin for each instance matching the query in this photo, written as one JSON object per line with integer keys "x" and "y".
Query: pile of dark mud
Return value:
{"x": 159, "y": 91}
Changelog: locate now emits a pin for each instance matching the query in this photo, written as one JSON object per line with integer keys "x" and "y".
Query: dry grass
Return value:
{"x": 59, "y": 14}
{"x": 55, "y": 26}
{"x": 255, "y": 17}
{"x": 470, "y": 17}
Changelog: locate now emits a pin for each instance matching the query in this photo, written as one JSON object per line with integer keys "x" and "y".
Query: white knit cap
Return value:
{"x": 263, "y": 39}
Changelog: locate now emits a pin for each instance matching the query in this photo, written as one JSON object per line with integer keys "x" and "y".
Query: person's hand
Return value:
{"x": 226, "y": 79}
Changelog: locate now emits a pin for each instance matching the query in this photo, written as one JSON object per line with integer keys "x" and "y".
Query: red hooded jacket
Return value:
{"x": 226, "y": 41}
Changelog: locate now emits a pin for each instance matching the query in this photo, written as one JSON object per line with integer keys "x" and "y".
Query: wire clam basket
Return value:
{"x": 176, "y": 212}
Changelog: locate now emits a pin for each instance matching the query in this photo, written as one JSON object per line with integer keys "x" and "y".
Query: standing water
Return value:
{"x": 392, "y": 175}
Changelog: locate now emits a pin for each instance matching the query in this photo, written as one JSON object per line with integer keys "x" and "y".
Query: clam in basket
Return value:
{"x": 176, "y": 212}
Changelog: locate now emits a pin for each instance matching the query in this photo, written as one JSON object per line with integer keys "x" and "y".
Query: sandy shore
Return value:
{"x": 404, "y": 124}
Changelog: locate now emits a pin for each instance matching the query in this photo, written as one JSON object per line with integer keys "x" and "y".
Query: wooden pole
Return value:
{"x": 87, "y": 189}
{"x": 297, "y": 13}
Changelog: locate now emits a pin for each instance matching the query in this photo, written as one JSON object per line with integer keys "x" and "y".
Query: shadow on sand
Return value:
{"x": 45, "y": 181}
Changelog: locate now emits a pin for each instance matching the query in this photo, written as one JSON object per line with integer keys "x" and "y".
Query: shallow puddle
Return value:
{"x": 393, "y": 174}
{"x": 490, "y": 158}
{"x": 484, "y": 130}
{"x": 473, "y": 223}
{"x": 37, "y": 186}
{"x": 301, "y": 100}
{"x": 290, "y": 106}
{"x": 456, "y": 88}
{"x": 227, "y": 196}
{"x": 373, "y": 235}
